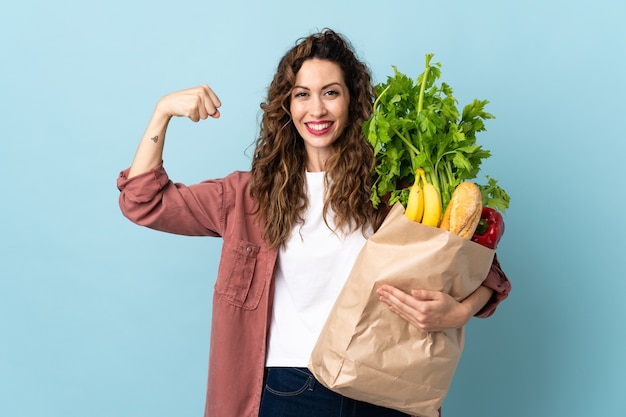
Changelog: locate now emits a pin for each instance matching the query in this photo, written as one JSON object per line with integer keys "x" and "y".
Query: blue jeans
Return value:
{"x": 294, "y": 392}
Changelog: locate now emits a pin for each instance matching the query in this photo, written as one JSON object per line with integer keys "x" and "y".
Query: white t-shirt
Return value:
{"x": 311, "y": 271}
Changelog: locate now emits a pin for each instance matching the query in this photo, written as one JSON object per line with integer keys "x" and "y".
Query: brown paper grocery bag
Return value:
{"x": 368, "y": 353}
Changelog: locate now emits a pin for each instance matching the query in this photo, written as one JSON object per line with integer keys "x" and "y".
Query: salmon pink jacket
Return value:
{"x": 243, "y": 291}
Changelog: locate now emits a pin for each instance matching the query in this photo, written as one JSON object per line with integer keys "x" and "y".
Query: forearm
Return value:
{"x": 476, "y": 301}
{"x": 195, "y": 103}
{"x": 149, "y": 153}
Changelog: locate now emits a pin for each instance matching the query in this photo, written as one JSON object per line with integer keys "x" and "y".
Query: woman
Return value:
{"x": 292, "y": 228}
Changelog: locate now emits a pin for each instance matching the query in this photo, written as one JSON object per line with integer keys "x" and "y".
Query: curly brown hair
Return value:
{"x": 279, "y": 160}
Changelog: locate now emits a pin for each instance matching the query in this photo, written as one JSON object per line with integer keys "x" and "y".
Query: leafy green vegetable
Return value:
{"x": 494, "y": 196}
{"x": 417, "y": 124}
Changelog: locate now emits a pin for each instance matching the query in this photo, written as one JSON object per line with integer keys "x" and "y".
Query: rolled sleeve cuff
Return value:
{"x": 501, "y": 286}
{"x": 143, "y": 187}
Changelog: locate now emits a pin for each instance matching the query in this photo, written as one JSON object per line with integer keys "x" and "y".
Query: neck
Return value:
{"x": 316, "y": 161}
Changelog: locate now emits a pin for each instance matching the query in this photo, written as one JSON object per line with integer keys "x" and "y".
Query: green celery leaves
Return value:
{"x": 418, "y": 124}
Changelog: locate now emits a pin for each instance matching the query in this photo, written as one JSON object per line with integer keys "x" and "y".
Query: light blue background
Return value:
{"x": 99, "y": 317}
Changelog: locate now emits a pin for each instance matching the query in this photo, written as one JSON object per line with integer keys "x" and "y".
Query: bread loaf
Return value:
{"x": 464, "y": 209}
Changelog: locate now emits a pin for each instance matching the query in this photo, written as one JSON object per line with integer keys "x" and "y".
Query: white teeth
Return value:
{"x": 319, "y": 126}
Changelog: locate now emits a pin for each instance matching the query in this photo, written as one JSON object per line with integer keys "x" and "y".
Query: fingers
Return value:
{"x": 398, "y": 300}
{"x": 210, "y": 103}
{"x": 425, "y": 295}
{"x": 420, "y": 308}
{"x": 401, "y": 304}
{"x": 203, "y": 102}
{"x": 390, "y": 292}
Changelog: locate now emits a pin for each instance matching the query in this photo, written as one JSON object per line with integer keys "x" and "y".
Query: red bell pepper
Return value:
{"x": 490, "y": 229}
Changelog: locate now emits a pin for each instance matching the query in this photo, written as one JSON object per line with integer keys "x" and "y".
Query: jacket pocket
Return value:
{"x": 236, "y": 284}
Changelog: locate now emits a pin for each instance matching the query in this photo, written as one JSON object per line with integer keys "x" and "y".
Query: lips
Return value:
{"x": 319, "y": 128}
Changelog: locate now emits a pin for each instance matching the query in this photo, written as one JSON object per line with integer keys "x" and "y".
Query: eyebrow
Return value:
{"x": 323, "y": 87}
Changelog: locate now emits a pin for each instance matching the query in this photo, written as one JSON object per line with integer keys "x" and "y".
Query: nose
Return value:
{"x": 318, "y": 107}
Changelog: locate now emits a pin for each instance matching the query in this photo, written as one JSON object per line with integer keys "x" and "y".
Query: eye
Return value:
{"x": 299, "y": 94}
{"x": 332, "y": 93}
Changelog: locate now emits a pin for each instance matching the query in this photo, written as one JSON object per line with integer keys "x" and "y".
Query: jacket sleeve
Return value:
{"x": 501, "y": 286}
{"x": 151, "y": 199}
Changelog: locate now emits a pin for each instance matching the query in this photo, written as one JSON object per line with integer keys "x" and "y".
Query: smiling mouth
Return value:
{"x": 318, "y": 128}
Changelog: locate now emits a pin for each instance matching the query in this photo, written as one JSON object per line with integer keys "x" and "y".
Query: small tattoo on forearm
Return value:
{"x": 155, "y": 139}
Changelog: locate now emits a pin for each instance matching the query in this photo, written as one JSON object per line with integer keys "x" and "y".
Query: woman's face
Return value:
{"x": 319, "y": 108}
